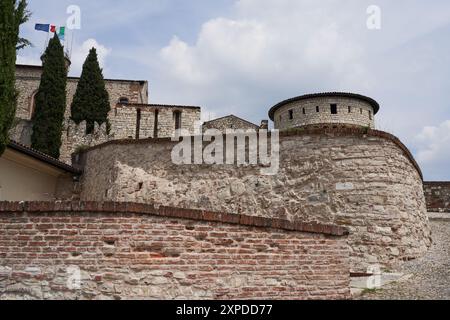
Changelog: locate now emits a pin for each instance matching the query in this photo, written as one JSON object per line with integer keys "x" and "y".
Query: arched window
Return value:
{"x": 291, "y": 114}
{"x": 124, "y": 100}
{"x": 32, "y": 104}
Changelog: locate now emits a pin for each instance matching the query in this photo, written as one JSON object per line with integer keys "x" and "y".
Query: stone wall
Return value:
{"x": 230, "y": 122}
{"x": 124, "y": 120}
{"x": 28, "y": 80}
{"x": 74, "y": 138}
{"x": 21, "y": 131}
{"x": 131, "y": 251}
{"x": 350, "y": 111}
{"x": 366, "y": 180}
{"x": 437, "y": 195}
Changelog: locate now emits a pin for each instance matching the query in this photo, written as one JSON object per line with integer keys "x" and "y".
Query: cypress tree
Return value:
{"x": 50, "y": 101}
{"x": 12, "y": 15}
{"x": 91, "y": 100}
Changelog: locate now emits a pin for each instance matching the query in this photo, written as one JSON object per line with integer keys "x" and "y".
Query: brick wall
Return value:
{"x": 437, "y": 195}
{"x": 127, "y": 250}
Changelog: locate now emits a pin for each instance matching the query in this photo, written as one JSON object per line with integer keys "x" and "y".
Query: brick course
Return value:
{"x": 137, "y": 251}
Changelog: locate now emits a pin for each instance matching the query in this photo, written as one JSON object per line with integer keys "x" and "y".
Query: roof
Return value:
{"x": 28, "y": 66}
{"x": 143, "y": 105}
{"x": 372, "y": 102}
{"x": 231, "y": 116}
{"x": 113, "y": 80}
{"x": 42, "y": 157}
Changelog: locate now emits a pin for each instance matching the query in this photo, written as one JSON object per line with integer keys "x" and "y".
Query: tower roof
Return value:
{"x": 372, "y": 102}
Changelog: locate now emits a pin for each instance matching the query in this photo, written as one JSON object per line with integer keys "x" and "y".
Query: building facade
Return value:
{"x": 131, "y": 115}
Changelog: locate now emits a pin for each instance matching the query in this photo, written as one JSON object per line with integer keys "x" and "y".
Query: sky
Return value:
{"x": 243, "y": 56}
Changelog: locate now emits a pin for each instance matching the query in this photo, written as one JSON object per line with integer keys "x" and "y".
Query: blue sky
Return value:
{"x": 243, "y": 56}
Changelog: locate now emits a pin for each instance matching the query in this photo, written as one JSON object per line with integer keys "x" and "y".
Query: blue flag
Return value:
{"x": 42, "y": 27}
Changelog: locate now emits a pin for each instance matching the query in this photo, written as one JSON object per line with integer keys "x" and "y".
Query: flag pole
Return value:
{"x": 71, "y": 45}
{"x": 46, "y": 42}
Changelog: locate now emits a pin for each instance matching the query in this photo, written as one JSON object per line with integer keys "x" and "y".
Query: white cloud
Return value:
{"x": 434, "y": 150}
{"x": 258, "y": 49}
{"x": 80, "y": 53}
{"x": 22, "y": 59}
{"x": 267, "y": 51}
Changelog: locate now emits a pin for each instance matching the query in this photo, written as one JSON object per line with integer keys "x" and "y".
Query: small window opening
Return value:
{"x": 349, "y": 109}
{"x": 361, "y": 111}
{"x": 291, "y": 114}
{"x": 317, "y": 109}
{"x": 177, "y": 118}
{"x": 304, "y": 111}
{"x": 370, "y": 115}
{"x": 124, "y": 100}
{"x": 334, "y": 109}
{"x": 138, "y": 124}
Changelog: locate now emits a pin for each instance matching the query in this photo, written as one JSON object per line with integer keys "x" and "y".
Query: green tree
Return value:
{"x": 50, "y": 101}
{"x": 91, "y": 100}
{"x": 12, "y": 15}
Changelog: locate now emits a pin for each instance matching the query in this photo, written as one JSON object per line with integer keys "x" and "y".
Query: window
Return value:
{"x": 124, "y": 100}
{"x": 334, "y": 109}
{"x": 156, "y": 124}
{"x": 317, "y": 109}
{"x": 349, "y": 109}
{"x": 370, "y": 115}
{"x": 138, "y": 124}
{"x": 291, "y": 114}
{"x": 361, "y": 111}
{"x": 177, "y": 119}
{"x": 304, "y": 111}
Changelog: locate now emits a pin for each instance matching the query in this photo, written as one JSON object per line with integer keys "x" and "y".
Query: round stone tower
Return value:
{"x": 323, "y": 109}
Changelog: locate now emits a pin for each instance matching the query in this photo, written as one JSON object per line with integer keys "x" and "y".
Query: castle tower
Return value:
{"x": 67, "y": 61}
{"x": 325, "y": 109}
